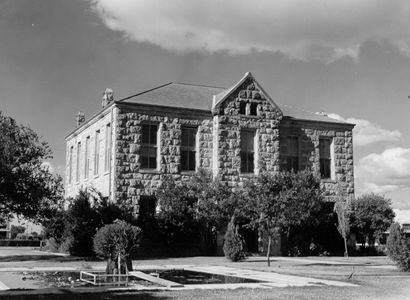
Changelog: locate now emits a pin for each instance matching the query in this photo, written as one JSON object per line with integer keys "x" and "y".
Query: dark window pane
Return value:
{"x": 184, "y": 160}
{"x": 242, "y": 108}
{"x": 188, "y": 144}
{"x": 153, "y": 134}
{"x": 324, "y": 148}
{"x": 325, "y": 158}
{"x": 250, "y": 166}
{"x": 152, "y": 163}
{"x": 191, "y": 135}
{"x": 247, "y": 149}
{"x": 192, "y": 161}
{"x": 243, "y": 162}
{"x": 144, "y": 162}
{"x": 253, "y": 109}
{"x": 145, "y": 134}
{"x": 325, "y": 168}
{"x": 184, "y": 137}
{"x": 149, "y": 146}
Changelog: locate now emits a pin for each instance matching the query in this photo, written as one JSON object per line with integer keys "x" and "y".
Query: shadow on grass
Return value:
{"x": 47, "y": 257}
{"x": 69, "y": 294}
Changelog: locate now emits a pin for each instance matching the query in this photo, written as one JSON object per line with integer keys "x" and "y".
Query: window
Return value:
{"x": 292, "y": 153}
{"x": 253, "y": 111}
{"x": 325, "y": 158}
{"x": 77, "y": 166}
{"x": 70, "y": 167}
{"x": 242, "y": 108}
{"x": 149, "y": 146}
{"x": 188, "y": 149}
{"x": 87, "y": 157}
{"x": 97, "y": 153}
{"x": 107, "y": 160}
{"x": 247, "y": 151}
{"x": 147, "y": 206}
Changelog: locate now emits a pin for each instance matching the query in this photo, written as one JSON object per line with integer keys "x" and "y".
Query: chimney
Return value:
{"x": 80, "y": 118}
{"x": 108, "y": 97}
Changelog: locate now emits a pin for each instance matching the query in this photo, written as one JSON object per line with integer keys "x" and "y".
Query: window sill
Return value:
{"x": 150, "y": 171}
{"x": 247, "y": 174}
{"x": 188, "y": 172}
{"x": 328, "y": 180}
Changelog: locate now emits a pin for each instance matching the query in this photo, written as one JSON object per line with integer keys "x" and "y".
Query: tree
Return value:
{"x": 234, "y": 244}
{"x": 398, "y": 247}
{"x": 27, "y": 187}
{"x": 371, "y": 216}
{"x": 116, "y": 242}
{"x": 277, "y": 202}
{"x": 15, "y": 230}
{"x": 342, "y": 209}
{"x": 196, "y": 208}
{"x": 82, "y": 222}
{"x": 394, "y": 241}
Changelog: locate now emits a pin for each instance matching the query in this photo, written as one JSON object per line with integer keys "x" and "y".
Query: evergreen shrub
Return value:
{"x": 234, "y": 244}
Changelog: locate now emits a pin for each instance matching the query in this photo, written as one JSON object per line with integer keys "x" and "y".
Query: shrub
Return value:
{"x": 394, "y": 244}
{"x": 82, "y": 222}
{"x": 234, "y": 244}
{"x": 15, "y": 230}
{"x": 115, "y": 241}
{"x": 398, "y": 247}
{"x": 55, "y": 226}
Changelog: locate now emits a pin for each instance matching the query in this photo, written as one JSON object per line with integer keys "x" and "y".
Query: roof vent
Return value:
{"x": 80, "y": 118}
{"x": 108, "y": 97}
{"x": 322, "y": 113}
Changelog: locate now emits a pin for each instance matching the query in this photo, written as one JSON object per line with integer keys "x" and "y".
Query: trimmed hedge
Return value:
{"x": 19, "y": 243}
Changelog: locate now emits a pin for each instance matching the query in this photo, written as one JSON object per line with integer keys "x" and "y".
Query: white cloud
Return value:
{"x": 48, "y": 165}
{"x": 367, "y": 132}
{"x": 385, "y": 172}
{"x": 59, "y": 169}
{"x": 302, "y": 29}
{"x": 402, "y": 216}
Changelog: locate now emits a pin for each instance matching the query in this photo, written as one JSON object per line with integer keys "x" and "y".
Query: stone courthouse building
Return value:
{"x": 124, "y": 150}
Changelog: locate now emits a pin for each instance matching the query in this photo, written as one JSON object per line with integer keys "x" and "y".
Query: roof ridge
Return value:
{"x": 203, "y": 85}
{"x": 298, "y": 108}
{"x": 150, "y": 90}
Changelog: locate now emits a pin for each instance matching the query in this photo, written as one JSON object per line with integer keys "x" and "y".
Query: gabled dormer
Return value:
{"x": 246, "y": 98}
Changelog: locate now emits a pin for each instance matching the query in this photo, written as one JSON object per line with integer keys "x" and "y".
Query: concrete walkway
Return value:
{"x": 268, "y": 279}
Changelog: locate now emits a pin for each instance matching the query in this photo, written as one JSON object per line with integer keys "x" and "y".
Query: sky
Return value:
{"x": 348, "y": 58}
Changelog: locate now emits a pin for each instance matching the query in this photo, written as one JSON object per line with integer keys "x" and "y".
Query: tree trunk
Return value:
{"x": 268, "y": 251}
{"x": 346, "y": 253}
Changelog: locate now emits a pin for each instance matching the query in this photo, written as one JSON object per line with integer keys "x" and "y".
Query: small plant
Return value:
{"x": 398, "y": 247}
{"x": 234, "y": 245}
{"x": 116, "y": 242}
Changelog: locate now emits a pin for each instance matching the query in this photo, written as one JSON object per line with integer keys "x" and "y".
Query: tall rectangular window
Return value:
{"x": 107, "y": 160}
{"x": 97, "y": 153}
{"x": 247, "y": 151}
{"x": 188, "y": 149}
{"x": 149, "y": 146}
{"x": 87, "y": 157}
{"x": 292, "y": 153}
{"x": 325, "y": 158}
{"x": 77, "y": 166}
{"x": 70, "y": 167}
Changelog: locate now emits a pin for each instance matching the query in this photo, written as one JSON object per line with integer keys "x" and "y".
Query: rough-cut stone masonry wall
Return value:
{"x": 228, "y": 132}
{"x": 309, "y": 134}
{"x": 130, "y": 180}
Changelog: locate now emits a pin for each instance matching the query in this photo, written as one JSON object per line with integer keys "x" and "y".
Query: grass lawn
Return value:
{"x": 377, "y": 278}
